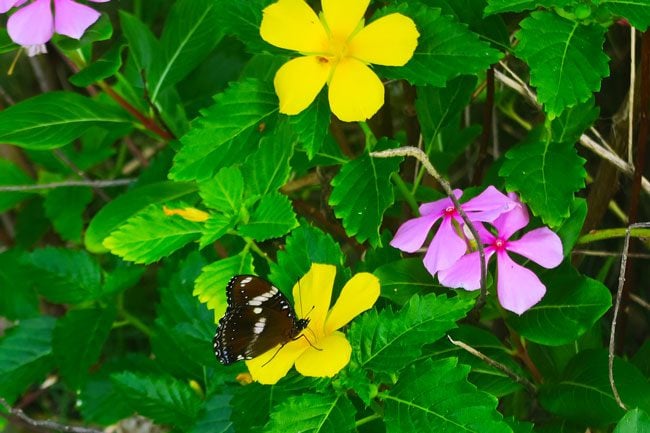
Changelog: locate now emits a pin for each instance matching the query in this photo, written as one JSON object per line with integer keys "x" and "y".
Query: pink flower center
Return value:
{"x": 450, "y": 211}
{"x": 500, "y": 244}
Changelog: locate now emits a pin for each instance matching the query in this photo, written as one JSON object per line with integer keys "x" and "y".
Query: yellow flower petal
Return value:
{"x": 334, "y": 354}
{"x": 279, "y": 366}
{"x": 390, "y": 41}
{"x": 293, "y": 25}
{"x": 357, "y": 296}
{"x": 312, "y": 295}
{"x": 298, "y": 82}
{"x": 355, "y": 92}
{"x": 188, "y": 213}
{"x": 343, "y": 16}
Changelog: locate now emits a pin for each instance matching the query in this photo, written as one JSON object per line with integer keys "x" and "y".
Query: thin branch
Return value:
{"x": 617, "y": 307}
{"x": 424, "y": 160}
{"x": 642, "y": 302}
{"x": 89, "y": 183}
{"x": 630, "y": 116}
{"x": 530, "y": 387}
{"x": 609, "y": 254}
{"x": 49, "y": 425}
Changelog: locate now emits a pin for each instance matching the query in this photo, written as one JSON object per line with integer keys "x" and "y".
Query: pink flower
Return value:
{"x": 34, "y": 24}
{"x": 518, "y": 288}
{"x": 447, "y": 246}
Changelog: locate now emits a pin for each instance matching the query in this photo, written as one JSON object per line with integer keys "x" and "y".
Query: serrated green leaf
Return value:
{"x": 313, "y": 413}
{"x": 226, "y": 131}
{"x": 546, "y": 176}
{"x": 78, "y": 340}
{"x": 272, "y": 218}
{"x": 304, "y": 246}
{"x": 387, "y": 341}
{"x": 575, "y": 49}
{"x": 25, "y": 355}
{"x": 243, "y": 19}
{"x": 215, "y": 416}
{"x": 106, "y": 66}
{"x": 151, "y": 235}
{"x": 362, "y": 192}
{"x": 65, "y": 276}
{"x": 312, "y": 124}
{"x": 402, "y": 279}
{"x": 65, "y": 208}
{"x": 418, "y": 402}
{"x": 18, "y": 300}
{"x": 123, "y": 276}
{"x": 111, "y": 216}
{"x": 572, "y": 304}
{"x": 100, "y": 403}
{"x": 210, "y": 286}
{"x": 499, "y": 6}
{"x": 225, "y": 191}
{"x": 635, "y": 421}
{"x": 215, "y": 227}
{"x": 163, "y": 399}
{"x": 446, "y": 49}
{"x": 191, "y": 32}
{"x": 571, "y": 228}
{"x": 568, "y": 127}
{"x": 12, "y": 175}
{"x": 637, "y": 12}
{"x": 268, "y": 168}
{"x": 54, "y": 119}
{"x": 584, "y": 394}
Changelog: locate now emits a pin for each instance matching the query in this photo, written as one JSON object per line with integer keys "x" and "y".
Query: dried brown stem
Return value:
{"x": 47, "y": 425}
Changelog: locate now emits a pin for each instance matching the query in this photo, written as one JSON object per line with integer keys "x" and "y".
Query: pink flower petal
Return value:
{"x": 466, "y": 272}
{"x": 32, "y": 25}
{"x": 510, "y": 222}
{"x": 72, "y": 19}
{"x": 488, "y": 205}
{"x": 484, "y": 234}
{"x": 541, "y": 245}
{"x": 100, "y": 1}
{"x": 445, "y": 249}
{"x": 518, "y": 288}
{"x": 412, "y": 234}
{"x": 436, "y": 207}
{"x": 5, "y": 5}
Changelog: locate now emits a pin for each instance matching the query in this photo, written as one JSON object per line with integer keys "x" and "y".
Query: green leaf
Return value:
{"x": 362, "y": 192}
{"x": 78, "y": 340}
{"x": 54, "y": 119}
{"x": 227, "y": 130}
{"x": 387, "y": 341}
{"x": 100, "y": 30}
{"x": 546, "y": 176}
{"x": 272, "y": 218}
{"x": 65, "y": 208}
{"x": 215, "y": 416}
{"x": 568, "y": 127}
{"x": 225, "y": 191}
{"x": 151, "y": 235}
{"x": 268, "y": 168}
{"x": 18, "y": 300}
{"x": 25, "y": 355}
{"x": 10, "y": 174}
{"x": 446, "y": 49}
{"x": 499, "y": 6}
{"x": 143, "y": 45}
{"x": 571, "y": 228}
{"x": 243, "y": 19}
{"x": 575, "y": 49}
{"x": 99, "y": 402}
{"x": 163, "y": 399}
{"x": 584, "y": 394}
{"x": 215, "y": 227}
{"x": 572, "y": 304}
{"x": 210, "y": 286}
{"x": 123, "y": 276}
{"x": 6, "y": 44}
{"x": 304, "y": 246}
{"x": 402, "y": 279}
{"x": 111, "y": 216}
{"x": 635, "y": 421}
{"x": 312, "y": 124}
{"x": 66, "y": 276}
{"x": 191, "y": 32}
{"x": 637, "y": 12}
{"x": 313, "y": 413}
{"x": 436, "y": 396}
{"x": 105, "y": 67}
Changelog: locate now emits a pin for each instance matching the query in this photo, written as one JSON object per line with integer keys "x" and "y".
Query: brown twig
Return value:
{"x": 49, "y": 425}
{"x": 89, "y": 183}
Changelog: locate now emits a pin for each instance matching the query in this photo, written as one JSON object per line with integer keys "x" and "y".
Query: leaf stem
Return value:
{"x": 406, "y": 193}
{"x": 367, "y": 419}
{"x": 253, "y": 246}
{"x": 599, "y": 235}
{"x": 371, "y": 140}
{"x": 131, "y": 319}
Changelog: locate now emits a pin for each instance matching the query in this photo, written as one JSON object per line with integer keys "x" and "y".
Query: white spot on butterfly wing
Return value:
{"x": 260, "y": 325}
{"x": 257, "y": 310}
{"x": 245, "y": 281}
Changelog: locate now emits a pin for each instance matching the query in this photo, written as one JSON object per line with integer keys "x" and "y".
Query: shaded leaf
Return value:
{"x": 637, "y": 12}
{"x": 65, "y": 208}
{"x": 402, "y": 279}
{"x": 312, "y": 124}
{"x": 215, "y": 416}
{"x": 498, "y": 6}
{"x": 272, "y": 218}
{"x": 106, "y": 66}
{"x": 635, "y": 421}
{"x": 10, "y": 174}
{"x": 18, "y": 300}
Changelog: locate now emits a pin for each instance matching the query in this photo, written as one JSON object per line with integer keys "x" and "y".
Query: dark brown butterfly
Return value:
{"x": 258, "y": 318}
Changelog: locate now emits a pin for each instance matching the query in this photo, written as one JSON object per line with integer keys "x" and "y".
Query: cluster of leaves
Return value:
{"x": 117, "y": 298}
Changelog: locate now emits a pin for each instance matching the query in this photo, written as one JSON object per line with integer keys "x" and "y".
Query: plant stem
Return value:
{"x": 599, "y": 235}
{"x": 406, "y": 193}
{"x": 367, "y": 419}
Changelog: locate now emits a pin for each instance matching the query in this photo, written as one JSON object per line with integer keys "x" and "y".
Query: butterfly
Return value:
{"x": 258, "y": 318}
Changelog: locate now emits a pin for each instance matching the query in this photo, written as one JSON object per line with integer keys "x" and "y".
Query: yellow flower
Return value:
{"x": 320, "y": 350}
{"x": 188, "y": 213}
{"x": 336, "y": 49}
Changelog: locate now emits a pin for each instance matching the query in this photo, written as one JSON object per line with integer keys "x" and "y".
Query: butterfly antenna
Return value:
{"x": 274, "y": 355}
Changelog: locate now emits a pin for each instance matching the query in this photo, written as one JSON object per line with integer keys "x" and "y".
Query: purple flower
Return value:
{"x": 447, "y": 246}
{"x": 518, "y": 288}
{"x": 34, "y": 24}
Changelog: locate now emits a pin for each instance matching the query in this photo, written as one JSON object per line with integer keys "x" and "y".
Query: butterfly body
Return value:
{"x": 258, "y": 318}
